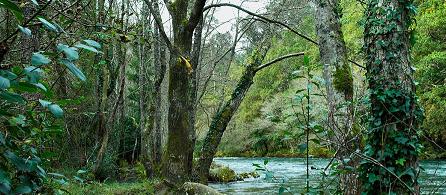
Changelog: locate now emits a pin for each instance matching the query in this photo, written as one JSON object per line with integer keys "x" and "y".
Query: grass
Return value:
{"x": 116, "y": 188}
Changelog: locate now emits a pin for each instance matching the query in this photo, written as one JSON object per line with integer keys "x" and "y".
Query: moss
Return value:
{"x": 221, "y": 173}
{"x": 343, "y": 80}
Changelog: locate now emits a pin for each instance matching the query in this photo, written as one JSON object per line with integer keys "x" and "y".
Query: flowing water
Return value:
{"x": 291, "y": 174}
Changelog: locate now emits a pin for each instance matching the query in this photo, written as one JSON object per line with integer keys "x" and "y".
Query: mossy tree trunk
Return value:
{"x": 223, "y": 116}
{"x": 339, "y": 86}
{"x": 178, "y": 156}
{"x": 392, "y": 145}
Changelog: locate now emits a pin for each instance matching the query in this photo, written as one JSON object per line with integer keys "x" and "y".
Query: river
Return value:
{"x": 291, "y": 173}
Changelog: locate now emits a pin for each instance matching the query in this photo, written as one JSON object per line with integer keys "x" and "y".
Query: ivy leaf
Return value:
{"x": 372, "y": 178}
{"x": 86, "y": 47}
{"x": 400, "y": 161}
{"x": 39, "y": 59}
{"x": 25, "y": 31}
{"x": 4, "y": 83}
{"x": 48, "y": 25}
{"x": 93, "y": 43}
{"x": 18, "y": 13}
{"x": 70, "y": 52}
{"x": 73, "y": 69}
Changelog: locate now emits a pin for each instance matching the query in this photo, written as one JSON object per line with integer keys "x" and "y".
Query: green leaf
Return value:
{"x": 56, "y": 110}
{"x": 23, "y": 189}
{"x": 44, "y": 103}
{"x": 372, "y": 178}
{"x": 12, "y": 97}
{"x": 4, "y": 83}
{"x": 93, "y": 43}
{"x": 306, "y": 60}
{"x": 39, "y": 59}
{"x": 48, "y": 25}
{"x": 73, "y": 69}
{"x": 33, "y": 73}
{"x": 35, "y": 2}
{"x": 70, "y": 52}
{"x": 265, "y": 162}
{"x": 18, "y": 162}
{"x": 2, "y": 139}
{"x": 53, "y": 108}
{"x": 400, "y": 161}
{"x": 18, "y": 13}
{"x": 281, "y": 190}
{"x": 40, "y": 86}
{"x": 5, "y": 182}
{"x": 86, "y": 47}
{"x": 25, "y": 31}
{"x": 81, "y": 171}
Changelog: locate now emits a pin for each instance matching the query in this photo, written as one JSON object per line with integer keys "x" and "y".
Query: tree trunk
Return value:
{"x": 223, "y": 116}
{"x": 160, "y": 70}
{"x": 177, "y": 160}
{"x": 395, "y": 115}
{"x": 339, "y": 86}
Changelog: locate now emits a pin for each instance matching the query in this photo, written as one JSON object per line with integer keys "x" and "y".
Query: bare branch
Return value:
{"x": 159, "y": 23}
{"x": 271, "y": 21}
{"x": 196, "y": 14}
{"x": 278, "y": 60}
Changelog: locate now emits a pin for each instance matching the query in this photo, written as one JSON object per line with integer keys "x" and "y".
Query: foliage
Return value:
{"x": 430, "y": 60}
{"x": 392, "y": 149}
{"x": 26, "y": 122}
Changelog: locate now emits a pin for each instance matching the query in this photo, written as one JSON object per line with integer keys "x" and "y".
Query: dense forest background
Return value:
{"x": 85, "y": 86}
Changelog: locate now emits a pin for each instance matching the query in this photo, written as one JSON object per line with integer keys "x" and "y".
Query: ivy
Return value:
{"x": 392, "y": 147}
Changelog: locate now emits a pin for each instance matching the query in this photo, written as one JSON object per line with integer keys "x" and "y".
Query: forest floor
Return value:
{"x": 115, "y": 188}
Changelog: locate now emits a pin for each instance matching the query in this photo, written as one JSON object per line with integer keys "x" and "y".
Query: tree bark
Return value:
{"x": 339, "y": 85}
{"x": 160, "y": 70}
{"x": 223, "y": 116}
{"x": 395, "y": 115}
{"x": 177, "y": 160}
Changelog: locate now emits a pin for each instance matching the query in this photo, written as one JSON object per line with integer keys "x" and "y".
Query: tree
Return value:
{"x": 177, "y": 160}
{"x": 392, "y": 148}
{"x": 339, "y": 86}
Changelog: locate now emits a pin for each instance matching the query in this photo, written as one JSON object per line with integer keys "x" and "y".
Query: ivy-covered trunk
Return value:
{"x": 339, "y": 86}
{"x": 392, "y": 143}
